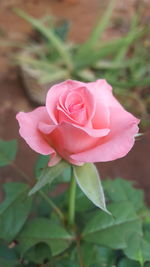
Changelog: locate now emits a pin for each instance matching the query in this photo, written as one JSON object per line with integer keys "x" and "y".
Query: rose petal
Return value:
{"x": 46, "y": 128}
{"x": 123, "y": 128}
{"x": 70, "y": 139}
{"x": 77, "y": 108}
{"x": 94, "y": 132}
{"x": 54, "y": 94}
{"x": 74, "y": 98}
{"x": 78, "y": 117}
{"x": 101, "y": 91}
{"x": 29, "y": 130}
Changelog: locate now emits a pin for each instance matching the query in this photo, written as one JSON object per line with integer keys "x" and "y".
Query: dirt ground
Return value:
{"x": 82, "y": 14}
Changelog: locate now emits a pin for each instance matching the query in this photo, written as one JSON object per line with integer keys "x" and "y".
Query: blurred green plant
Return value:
{"x": 124, "y": 62}
{"x": 32, "y": 232}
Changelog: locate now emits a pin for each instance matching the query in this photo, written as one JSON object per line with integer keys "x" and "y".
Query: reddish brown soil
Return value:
{"x": 82, "y": 14}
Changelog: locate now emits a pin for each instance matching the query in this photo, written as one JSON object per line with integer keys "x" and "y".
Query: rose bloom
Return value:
{"x": 81, "y": 122}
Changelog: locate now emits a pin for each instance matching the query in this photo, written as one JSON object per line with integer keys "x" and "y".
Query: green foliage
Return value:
{"x": 8, "y": 257}
{"x": 39, "y": 253}
{"x": 82, "y": 202}
{"x": 7, "y": 253}
{"x": 102, "y": 228}
{"x": 8, "y": 150}
{"x": 67, "y": 263}
{"x": 138, "y": 249}
{"x": 42, "y": 230}
{"x": 48, "y": 175}
{"x": 128, "y": 263}
{"x": 122, "y": 190}
{"x": 8, "y": 263}
{"x": 35, "y": 231}
{"x": 42, "y": 163}
{"x": 92, "y": 188}
{"x": 93, "y": 255}
{"x": 105, "y": 240}
{"x": 14, "y": 210}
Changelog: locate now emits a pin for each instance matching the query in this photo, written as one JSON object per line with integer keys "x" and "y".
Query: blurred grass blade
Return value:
{"x": 129, "y": 39}
{"x": 110, "y": 65}
{"x": 102, "y": 25}
{"x": 107, "y": 49}
{"x": 49, "y": 34}
{"x": 86, "y": 75}
{"x": 97, "y": 32}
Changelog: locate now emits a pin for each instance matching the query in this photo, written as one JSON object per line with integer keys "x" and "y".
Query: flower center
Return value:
{"x": 75, "y": 106}
{"x": 74, "y": 102}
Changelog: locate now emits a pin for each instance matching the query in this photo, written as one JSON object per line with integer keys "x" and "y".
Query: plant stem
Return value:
{"x": 71, "y": 204}
{"x": 79, "y": 253}
{"x": 51, "y": 203}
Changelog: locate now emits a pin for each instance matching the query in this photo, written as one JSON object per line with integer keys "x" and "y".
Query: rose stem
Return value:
{"x": 79, "y": 253}
{"x": 71, "y": 204}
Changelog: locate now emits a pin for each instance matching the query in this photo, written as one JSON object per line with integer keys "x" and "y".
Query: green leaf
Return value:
{"x": 147, "y": 231}
{"x": 14, "y": 210}
{"x": 8, "y": 150}
{"x": 88, "y": 180}
{"x": 128, "y": 263}
{"x": 48, "y": 175}
{"x": 39, "y": 253}
{"x": 111, "y": 231}
{"x": 120, "y": 190}
{"x": 66, "y": 263}
{"x": 7, "y": 253}
{"x": 42, "y": 230}
{"x": 137, "y": 249}
{"x": 65, "y": 176}
{"x": 8, "y": 263}
{"x": 93, "y": 254}
{"x": 41, "y": 207}
{"x": 8, "y": 257}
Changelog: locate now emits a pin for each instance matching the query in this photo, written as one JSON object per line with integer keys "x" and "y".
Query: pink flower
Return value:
{"x": 81, "y": 122}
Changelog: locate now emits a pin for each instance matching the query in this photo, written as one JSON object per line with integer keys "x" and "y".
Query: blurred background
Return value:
{"x": 46, "y": 41}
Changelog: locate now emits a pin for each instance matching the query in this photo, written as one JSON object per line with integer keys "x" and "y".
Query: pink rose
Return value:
{"x": 82, "y": 122}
